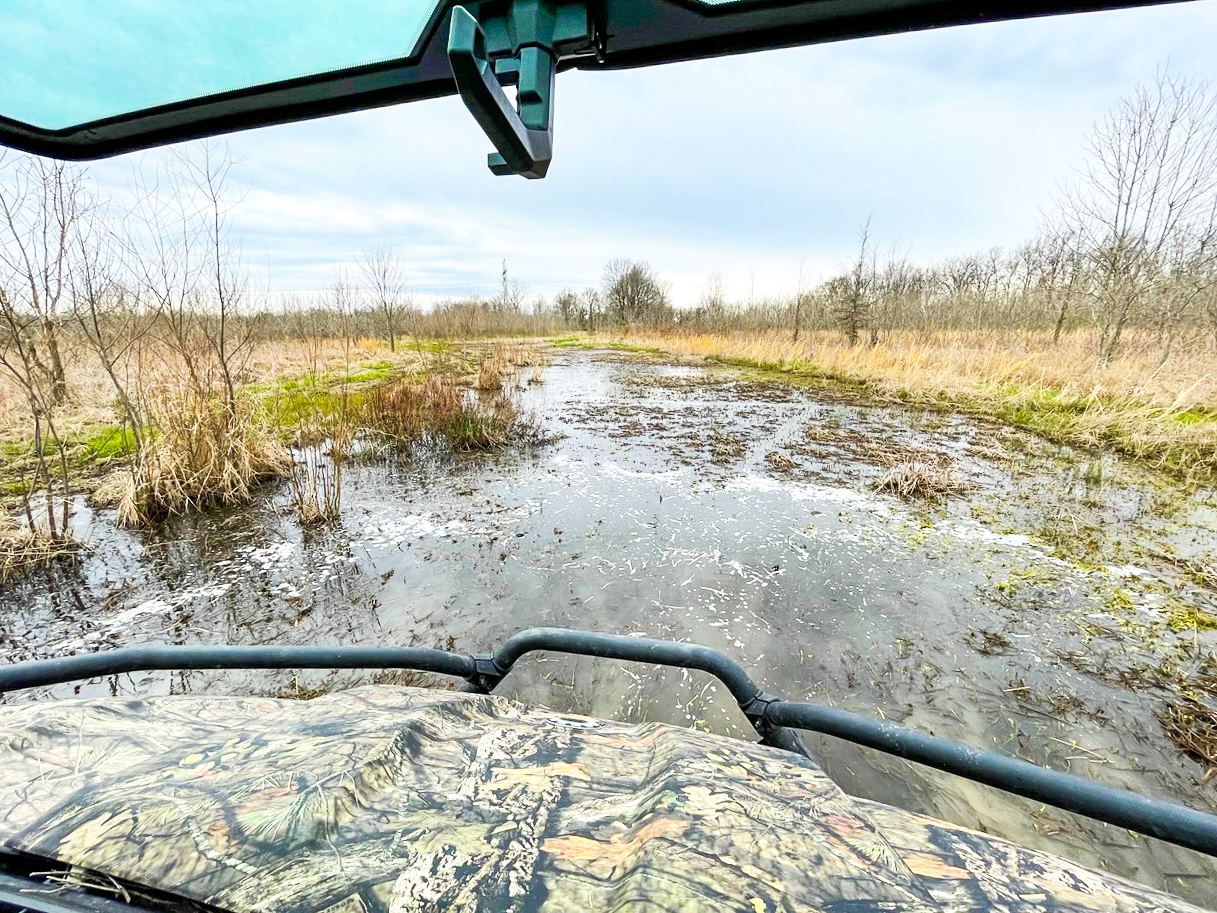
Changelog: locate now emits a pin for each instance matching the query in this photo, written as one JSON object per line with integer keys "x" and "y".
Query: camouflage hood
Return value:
{"x": 394, "y": 800}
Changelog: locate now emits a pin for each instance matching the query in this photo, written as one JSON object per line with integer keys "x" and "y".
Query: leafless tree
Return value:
{"x": 1145, "y": 196}
{"x": 592, "y": 309}
{"x": 106, "y": 313}
{"x": 802, "y": 296}
{"x": 40, "y": 208}
{"x": 567, "y": 304}
{"x": 511, "y": 298}
{"x": 712, "y": 305}
{"x": 188, "y": 266}
{"x": 633, "y": 293}
{"x": 388, "y": 283}
{"x": 40, "y": 205}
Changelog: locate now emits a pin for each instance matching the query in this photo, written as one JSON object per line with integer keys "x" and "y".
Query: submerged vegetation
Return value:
{"x": 1161, "y": 414}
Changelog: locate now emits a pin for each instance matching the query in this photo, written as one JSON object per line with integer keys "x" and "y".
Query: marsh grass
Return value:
{"x": 492, "y": 372}
{"x": 1192, "y": 725}
{"x": 925, "y": 477}
{"x": 299, "y": 411}
{"x": 200, "y": 455}
{"x": 23, "y": 549}
{"x": 438, "y": 409}
{"x": 315, "y": 480}
{"x": 1161, "y": 413}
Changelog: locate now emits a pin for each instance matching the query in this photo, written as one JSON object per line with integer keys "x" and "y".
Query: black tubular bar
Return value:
{"x": 1167, "y": 821}
{"x": 146, "y": 659}
{"x": 752, "y": 701}
{"x": 772, "y": 718}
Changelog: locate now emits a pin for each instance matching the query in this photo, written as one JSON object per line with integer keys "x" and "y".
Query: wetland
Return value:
{"x": 947, "y": 572}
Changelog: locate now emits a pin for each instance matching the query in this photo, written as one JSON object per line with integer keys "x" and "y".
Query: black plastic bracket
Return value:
{"x": 486, "y": 674}
{"x": 520, "y": 46}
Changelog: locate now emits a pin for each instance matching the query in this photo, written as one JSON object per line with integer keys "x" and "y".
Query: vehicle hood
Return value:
{"x": 393, "y": 800}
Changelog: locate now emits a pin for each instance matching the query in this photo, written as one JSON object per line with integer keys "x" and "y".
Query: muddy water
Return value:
{"x": 1034, "y": 614}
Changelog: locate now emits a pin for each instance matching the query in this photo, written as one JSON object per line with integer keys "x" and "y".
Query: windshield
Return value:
{"x": 68, "y": 62}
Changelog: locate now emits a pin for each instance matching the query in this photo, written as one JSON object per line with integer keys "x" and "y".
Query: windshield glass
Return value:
{"x": 69, "y": 62}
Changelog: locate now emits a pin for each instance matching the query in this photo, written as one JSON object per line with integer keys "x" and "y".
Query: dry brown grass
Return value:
{"x": 927, "y": 477}
{"x": 159, "y": 371}
{"x": 316, "y": 485}
{"x": 1192, "y": 726}
{"x": 1162, "y": 413}
{"x": 22, "y": 549}
{"x": 200, "y": 456}
{"x": 492, "y": 371}
{"x": 405, "y": 412}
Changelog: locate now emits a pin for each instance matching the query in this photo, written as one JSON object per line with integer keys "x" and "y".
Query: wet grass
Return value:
{"x": 403, "y": 413}
{"x": 1192, "y": 725}
{"x": 23, "y": 550}
{"x": 1161, "y": 426}
{"x": 931, "y": 477}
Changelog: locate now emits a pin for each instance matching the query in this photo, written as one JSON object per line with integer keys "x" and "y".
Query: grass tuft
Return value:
{"x": 23, "y": 549}
{"x": 1192, "y": 726}
{"x": 927, "y": 477}
{"x": 201, "y": 456}
{"x": 437, "y": 408}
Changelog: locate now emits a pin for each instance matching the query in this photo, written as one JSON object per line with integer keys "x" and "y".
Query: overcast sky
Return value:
{"x": 950, "y": 141}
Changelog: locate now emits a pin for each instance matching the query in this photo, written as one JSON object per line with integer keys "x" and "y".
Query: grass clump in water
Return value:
{"x": 1183, "y": 617}
{"x": 926, "y": 477}
{"x": 1192, "y": 726}
{"x": 437, "y": 408}
{"x": 203, "y": 452}
{"x": 23, "y": 549}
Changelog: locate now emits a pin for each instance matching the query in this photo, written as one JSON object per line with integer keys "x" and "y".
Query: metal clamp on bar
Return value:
{"x": 486, "y": 674}
{"x": 520, "y": 46}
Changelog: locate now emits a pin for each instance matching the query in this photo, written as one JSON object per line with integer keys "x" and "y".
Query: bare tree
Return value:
{"x": 633, "y": 293}
{"x": 388, "y": 282}
{"x": 802, "y": 296}
{"x": 1145, "y": 197}
{"x": 854, "y": 291}
{"x": 40, "y": 206}
{"x": 105, "y": 312}
{"x": 568, "y": 306}
{"x": 712, "y": 306}
{"x": 592, "y": 309}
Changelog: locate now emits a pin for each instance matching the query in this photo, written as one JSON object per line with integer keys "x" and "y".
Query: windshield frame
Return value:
{"x": 637, "y": 33}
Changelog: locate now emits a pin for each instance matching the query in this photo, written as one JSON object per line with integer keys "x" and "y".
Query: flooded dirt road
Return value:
{"x": 1050, "y": 610}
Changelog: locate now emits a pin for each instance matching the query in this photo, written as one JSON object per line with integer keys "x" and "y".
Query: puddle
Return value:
{"x": 1030, "y": 614}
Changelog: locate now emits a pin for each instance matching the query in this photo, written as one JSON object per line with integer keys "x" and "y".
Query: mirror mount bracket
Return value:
{"x": 518, "y": 44}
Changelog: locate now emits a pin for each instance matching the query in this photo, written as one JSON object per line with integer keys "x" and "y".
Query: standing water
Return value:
{"x": 1025, "y": 613}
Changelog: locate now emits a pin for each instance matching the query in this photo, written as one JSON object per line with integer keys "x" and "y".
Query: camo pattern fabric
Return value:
{"x": 398, "y": 800}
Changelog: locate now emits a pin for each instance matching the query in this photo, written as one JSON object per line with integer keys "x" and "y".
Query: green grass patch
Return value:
{"x": 375, "y": 371}
{"x": 114, "y": 442}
